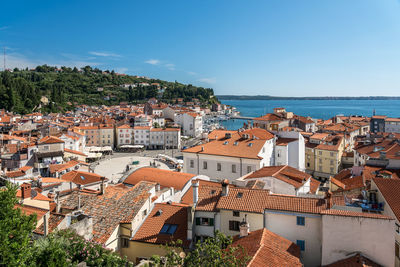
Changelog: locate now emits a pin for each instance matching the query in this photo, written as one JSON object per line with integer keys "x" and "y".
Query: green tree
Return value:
{"x": 214, "y": 251}
{"x": 15, "y": 229}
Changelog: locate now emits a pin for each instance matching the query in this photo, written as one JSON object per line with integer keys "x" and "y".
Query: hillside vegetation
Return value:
{"x": 21, "y": 90}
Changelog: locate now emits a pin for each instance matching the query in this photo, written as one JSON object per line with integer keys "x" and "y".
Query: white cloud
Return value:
{"x": 153, "y": 61}
{"x": 170, "y": 66}
{"x": 104, "y": 54}
{"x": 2, "y": 28}
{"x": 208, "y": 80}
{"x": 191, "y": 73}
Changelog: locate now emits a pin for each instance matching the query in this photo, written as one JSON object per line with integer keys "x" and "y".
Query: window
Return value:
{"x": 331, "y": 162}
{"x": 308, "y": 164}
{"x": 219, "y": 167}
{"x": 320, "y": 160}
{"x": 234, "y": 225}
{"x": 320, "y": 152}
{"x": 320, "y": 168}
{"x": 279, "y": 154}
{"x": 248, "y": 169}
{"x": 205, "y": 221}
{"x": 233, "y": 168}
{"x": 125, "y": 242}
{"x": 301, "y": 244}
{"x": 205, "y": 165}
{"x": 168, "y": 229}
{"x": 397, "y": 228}
{"x": 144, "y": 213}
{"x": 331, "y": 154}
{"x": 236, "y": 213}
{"x": 46, "y": 147}
{"x": 397, "y": 250}
{"x": 301, "y": 220}
{"x": 331, "y": 169}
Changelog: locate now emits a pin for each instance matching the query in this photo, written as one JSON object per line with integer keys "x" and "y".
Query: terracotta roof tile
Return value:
{"x": 390, "y": 189}
{"x": 162, "y": 214}
{"x": 266, "y": 248}
{"x": 165, "y": 178}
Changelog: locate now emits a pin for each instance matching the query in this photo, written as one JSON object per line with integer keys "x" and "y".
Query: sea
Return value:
{"x": 319, "y": 109}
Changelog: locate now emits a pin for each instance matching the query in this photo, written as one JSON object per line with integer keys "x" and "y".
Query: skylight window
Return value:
{"x": 83, "y": 178}
{"x": 236, "y": 143}
{"x": 239, "y": 195}
{"x": 168, "y": 229}
{"x": 226, "y": 142}
{"x": 250, "y": 144}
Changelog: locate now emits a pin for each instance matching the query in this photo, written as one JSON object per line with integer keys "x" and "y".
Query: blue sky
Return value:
{"x": 269, "y": 47}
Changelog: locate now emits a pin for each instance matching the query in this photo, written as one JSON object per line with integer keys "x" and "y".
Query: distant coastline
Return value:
{"x": 268, "y": 97}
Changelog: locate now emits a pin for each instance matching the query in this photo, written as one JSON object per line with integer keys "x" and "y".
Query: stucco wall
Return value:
{"x": 372, "y": 237}
{"x": 285, "y": 225}
{"x": 254, "y": 219}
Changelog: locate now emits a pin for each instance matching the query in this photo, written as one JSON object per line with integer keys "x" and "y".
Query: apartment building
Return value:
{"x": 323, "y": 155}
{"x": 125, "y": 135}
{"x": 161, "y": 138}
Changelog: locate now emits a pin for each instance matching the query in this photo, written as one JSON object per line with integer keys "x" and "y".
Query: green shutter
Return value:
{"x": 197, "y": 221}
{"x": 211, "y": 220}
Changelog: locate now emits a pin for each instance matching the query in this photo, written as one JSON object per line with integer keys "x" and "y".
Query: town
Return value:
{"x": 291, "y": 190}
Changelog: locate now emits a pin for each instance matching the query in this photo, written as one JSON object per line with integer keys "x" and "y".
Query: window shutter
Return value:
{"x": 197, "y": 221}
{"x": 230, "y": 225}
{"x": 211, "y": 220}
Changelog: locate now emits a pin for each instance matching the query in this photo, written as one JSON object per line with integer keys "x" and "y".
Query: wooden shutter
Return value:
{"x": 197, "y": 221}
{"x": 231, "y": 225}
{"x": 211, "y": 220}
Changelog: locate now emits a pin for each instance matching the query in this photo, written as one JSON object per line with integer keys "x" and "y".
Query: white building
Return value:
{"x": 324, "y": 235}
{"x": 290, "y": 150}
{"x": 161, "y": 138}
{"x": 282, "y": 180}
{"x": 125, "y": 135}
{"x": 230, "y": 157}
{"x": 142, "y": 135}
{"x": 191, "y": 123}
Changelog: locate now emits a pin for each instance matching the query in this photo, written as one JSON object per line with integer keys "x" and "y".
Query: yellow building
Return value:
{"x": 323, "y": 155}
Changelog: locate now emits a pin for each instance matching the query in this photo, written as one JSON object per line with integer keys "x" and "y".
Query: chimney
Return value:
{"x": 157, "y": 187}
{"x": 244, "y": 227}
{"x": 102, "y": 186}
{"x": 225, "y": 187}
{"x": 202, "y": 149}
{"x": 46, "y": 224}
{"x": 328, "y": 196}
{"x": 57, "y": 201}
{"x": 195, "y": 185}
{"x": 79, "y": 196}
{"x": 26, "y": 190}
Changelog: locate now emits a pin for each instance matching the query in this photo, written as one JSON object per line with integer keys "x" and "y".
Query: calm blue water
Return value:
{"x": 321, "y": 109}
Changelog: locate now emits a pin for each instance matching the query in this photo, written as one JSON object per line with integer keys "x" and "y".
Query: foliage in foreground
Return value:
{"x": 62, "y": 248}
{"x": 15, "y": 229}
{"x": 214, "y": 251}
{"x": 66, "y": 248}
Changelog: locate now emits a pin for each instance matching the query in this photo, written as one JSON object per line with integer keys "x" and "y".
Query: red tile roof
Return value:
{"x": 50, "y": 140}
{"x": 266, "y": 248}
{"x": 165, "y": 178}
{"x": 162, "y": 214}
{"x": 81, "y": 177}
{"x": 354, "y": 261}
{"x": 236, "y": 146}
{"x": 390, "y": 189}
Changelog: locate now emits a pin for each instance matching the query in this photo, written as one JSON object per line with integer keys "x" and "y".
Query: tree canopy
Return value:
{"x": 21, "y": 90}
